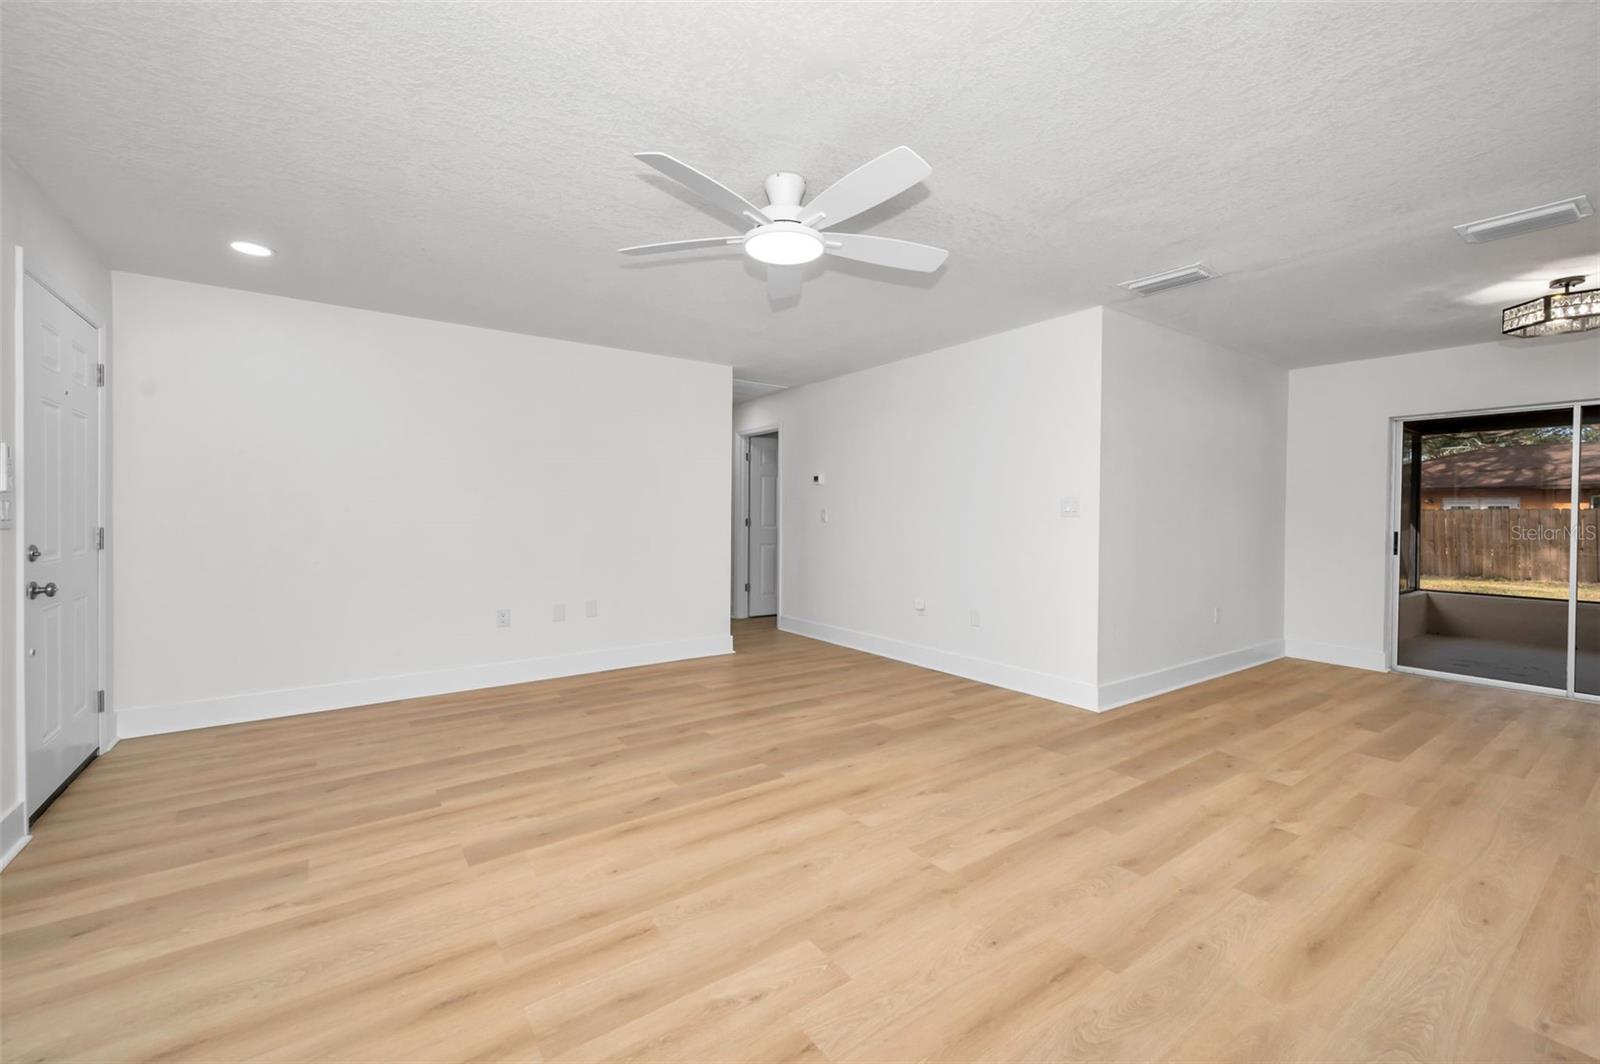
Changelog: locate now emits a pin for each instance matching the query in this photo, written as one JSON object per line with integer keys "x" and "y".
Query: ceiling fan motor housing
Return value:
{"x": 784, "y": 192}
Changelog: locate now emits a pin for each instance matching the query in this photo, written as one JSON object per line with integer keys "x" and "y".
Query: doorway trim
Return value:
{"x": 100, "y": 322}
{"x": 741, "y": 514}
{"x": 1391, "y": 596}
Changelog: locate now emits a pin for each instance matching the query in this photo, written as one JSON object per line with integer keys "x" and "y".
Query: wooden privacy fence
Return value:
{"x": 1509, "y": 544}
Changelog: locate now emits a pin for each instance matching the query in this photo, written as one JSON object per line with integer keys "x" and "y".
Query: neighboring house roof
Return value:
{"x": 1540, "y": 465}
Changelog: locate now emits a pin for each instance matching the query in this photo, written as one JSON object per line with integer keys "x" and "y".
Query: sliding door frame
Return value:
{"x": 1574, "y": 523}
{"x": 1573, "y": 527}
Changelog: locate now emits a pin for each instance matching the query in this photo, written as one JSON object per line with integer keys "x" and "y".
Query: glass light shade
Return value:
{"x": 784, "y": 247}
{"x": 1551, "y": 315}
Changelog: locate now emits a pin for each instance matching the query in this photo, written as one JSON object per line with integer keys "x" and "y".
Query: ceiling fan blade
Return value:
{"x": 708, "y": 189}
{"x": 867, "y": 186}
{"x": 783, "y": 282}
{"x": 681, "y": 245}
{"x": 882, "y": 251}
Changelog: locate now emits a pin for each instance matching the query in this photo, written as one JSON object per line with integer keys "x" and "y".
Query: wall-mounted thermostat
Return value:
{"x": 816, "y": 478}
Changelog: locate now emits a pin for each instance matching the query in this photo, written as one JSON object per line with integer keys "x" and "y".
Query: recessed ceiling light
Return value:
{"x": 1160, "y": 282}
{"x": 245, "y": 247}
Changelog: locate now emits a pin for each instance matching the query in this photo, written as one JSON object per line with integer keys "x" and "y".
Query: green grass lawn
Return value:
{"x": 1548, "y": 589}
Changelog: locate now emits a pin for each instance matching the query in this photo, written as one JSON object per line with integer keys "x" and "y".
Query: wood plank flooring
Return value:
{"x": 802, "y": 852}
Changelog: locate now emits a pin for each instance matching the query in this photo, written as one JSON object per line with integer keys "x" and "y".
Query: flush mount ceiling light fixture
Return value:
{"x": 254, "y": 250}
{"x": 1563, "y": 311}
{"x": 1516, "y": 223}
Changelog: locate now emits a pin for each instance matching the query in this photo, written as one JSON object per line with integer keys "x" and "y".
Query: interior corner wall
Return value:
{"x": 319, "y": 506}
{"x": 942, "y": 480}
{"x": 1191, "y": 510}
{"x": 1338, "y": 539}
{"x": 27, "y": 220}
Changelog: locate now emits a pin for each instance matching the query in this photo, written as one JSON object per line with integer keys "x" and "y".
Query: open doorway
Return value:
{"x": 1495, "y": 547}
{"x": 761, "y": 525}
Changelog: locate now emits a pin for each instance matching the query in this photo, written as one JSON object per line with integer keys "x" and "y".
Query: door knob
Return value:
{"x": 33, "y": 553}
{"x": 47, "y": 590}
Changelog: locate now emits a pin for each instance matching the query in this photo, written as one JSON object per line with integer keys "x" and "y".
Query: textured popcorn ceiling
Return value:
{"x": 470, "y": 162}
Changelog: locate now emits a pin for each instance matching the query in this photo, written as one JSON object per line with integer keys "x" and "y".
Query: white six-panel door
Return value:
{"x": 61, "y": 566}
{"x": 763, "y": 556}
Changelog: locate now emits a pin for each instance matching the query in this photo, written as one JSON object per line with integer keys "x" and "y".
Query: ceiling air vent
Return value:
{"x": 1160, "y": 282}
{"x": 1518, "y": 222}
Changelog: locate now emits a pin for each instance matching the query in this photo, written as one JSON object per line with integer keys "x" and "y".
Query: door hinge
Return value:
{"x": 747, "y": 585}
{"x": 100, "y": 538}
{"x": 100, "y": 374}
{"x": 747, "y": 522}
{"x": 1397, "y": 544}
{"x": 747, "y": 454}
{"x": 99, "y": 701}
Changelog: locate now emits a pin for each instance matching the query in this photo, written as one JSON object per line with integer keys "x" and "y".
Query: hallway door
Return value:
{"x": 763, "y": 553}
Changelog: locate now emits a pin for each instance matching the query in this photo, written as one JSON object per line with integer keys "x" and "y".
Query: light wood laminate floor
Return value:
{"x": 802, "y": 852}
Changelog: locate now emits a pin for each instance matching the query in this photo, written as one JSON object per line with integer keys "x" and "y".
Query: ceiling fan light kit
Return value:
{"x": 784, "y": 244}
{"x": 787, "y": 233}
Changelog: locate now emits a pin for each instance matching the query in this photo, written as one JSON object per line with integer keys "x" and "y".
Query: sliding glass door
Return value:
{"x": 1498, "y": 572}
{"x": 1586, "y": 630}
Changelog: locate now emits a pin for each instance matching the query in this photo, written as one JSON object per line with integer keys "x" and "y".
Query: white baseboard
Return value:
{"x": 264, "y": 705}
{"x": 1337, "y": 654}
{"x": 1149, "y": 684}
{"x": 13, "y": 832}
{"x": 1061, "y": 689}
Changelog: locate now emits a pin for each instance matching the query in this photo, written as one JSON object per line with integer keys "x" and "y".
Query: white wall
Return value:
{"x": 318, "y": 506}
{"x": 943, "y": 480}
{"x": 29, "y": 221}
{"x": 1191, "y": 510}
{"x": 1336, "y": 570}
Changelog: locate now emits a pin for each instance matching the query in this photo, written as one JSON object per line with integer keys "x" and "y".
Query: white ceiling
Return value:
{"x": 470, "y": 162}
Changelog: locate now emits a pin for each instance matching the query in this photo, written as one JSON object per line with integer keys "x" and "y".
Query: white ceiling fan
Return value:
{"x": 786, "y": 235}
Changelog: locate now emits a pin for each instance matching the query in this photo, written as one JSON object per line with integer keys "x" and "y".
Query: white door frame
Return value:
{"x": 85, "y": 309}
{"x": 1392, "y": 595}
{"x": 741, "y": 514}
